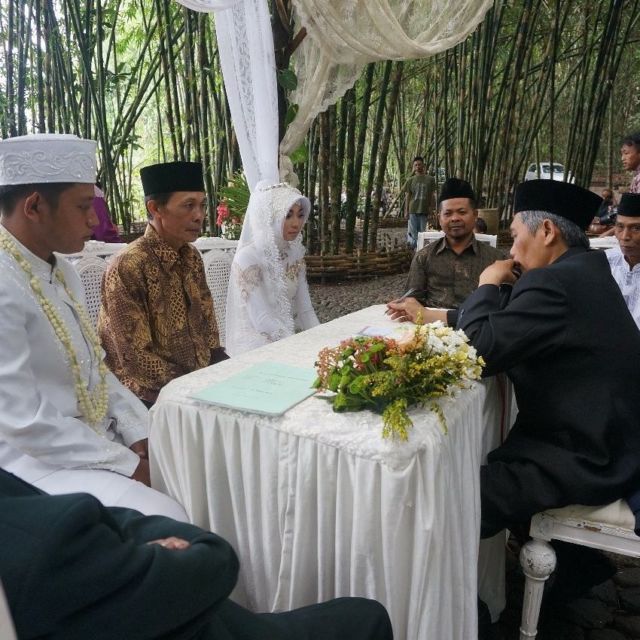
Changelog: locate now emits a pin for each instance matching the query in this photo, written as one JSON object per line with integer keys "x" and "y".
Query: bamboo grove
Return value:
{"x": 538, "y": 80}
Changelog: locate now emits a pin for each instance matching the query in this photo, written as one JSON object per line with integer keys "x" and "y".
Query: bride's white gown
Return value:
{"x": 268, "y": 296}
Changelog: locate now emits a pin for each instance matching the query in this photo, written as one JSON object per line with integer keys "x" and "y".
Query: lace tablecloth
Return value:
{"x": 318, "y": 505}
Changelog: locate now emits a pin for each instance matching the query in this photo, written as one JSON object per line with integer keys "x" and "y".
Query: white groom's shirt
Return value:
{"x": 41, "y": 429}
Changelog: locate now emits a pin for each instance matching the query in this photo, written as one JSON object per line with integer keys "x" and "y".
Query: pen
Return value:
{"x": 407, "y": 294}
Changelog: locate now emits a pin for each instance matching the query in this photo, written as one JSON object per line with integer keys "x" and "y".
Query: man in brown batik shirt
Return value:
{"x": 157, "y": 320}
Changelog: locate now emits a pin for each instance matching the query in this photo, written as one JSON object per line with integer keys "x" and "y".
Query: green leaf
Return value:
{"x": 236, "y": 195}
{"x": 300, "y": 155}
{"x": 334, "y": 382}
{"x": 292, "y": 111}
{"x": 287, "y": 79}
{"x": 340, "y": 402}
{"x": 358, "y": 385}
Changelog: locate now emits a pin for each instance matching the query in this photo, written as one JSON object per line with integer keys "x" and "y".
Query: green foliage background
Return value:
{"x": 538, "y": 80}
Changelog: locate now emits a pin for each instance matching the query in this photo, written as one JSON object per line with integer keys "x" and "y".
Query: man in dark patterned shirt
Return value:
{"x": 445, "y": 272}
{"x": 157, "y": 320}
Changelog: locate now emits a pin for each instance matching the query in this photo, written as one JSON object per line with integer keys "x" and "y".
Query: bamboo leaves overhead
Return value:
{"x": 538, "y": 80}
{"x": 138, "y": 76}
{"x": 532, "y": 83}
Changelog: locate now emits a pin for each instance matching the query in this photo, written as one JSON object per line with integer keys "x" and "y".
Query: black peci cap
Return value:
{"x": 629, "y": 205}
{"x": 456, "y": 188}
{"x": 168, "y": 177}
{"x": 560, "y": 198}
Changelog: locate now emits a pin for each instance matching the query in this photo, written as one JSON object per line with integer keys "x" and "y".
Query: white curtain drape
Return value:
{"x": 208, "y": 6}
{"x": 342, "y": 37}
{"x": 245, "y": 43}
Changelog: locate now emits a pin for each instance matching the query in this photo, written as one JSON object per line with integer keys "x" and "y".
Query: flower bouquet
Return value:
{"x": 389, "y": 375}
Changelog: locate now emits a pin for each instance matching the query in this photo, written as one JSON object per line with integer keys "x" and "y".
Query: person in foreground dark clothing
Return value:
{"x": 576, "y": 439}
{"x": 563, "y": 334}
{"x": 74, "y": 569}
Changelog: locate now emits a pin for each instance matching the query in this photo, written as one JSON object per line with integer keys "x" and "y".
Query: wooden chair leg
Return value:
{"x": 538, "y": 560}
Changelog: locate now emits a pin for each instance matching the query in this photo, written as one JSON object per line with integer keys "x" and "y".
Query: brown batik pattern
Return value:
{"x": 157, "y": 320}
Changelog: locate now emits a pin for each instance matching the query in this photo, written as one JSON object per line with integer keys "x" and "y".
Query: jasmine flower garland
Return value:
{"x": 93, "y": 404}
{"x": 390, "y": 375}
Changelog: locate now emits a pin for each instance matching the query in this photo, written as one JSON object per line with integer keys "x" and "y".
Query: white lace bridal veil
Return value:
{"x": 259, "y": 308}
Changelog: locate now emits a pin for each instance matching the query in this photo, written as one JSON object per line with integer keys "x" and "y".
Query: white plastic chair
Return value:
{"x": 204, "y": 245}
{"x": 608, "y": 242}
{"x": 390, "y": 239}
{"x": 609, "y": 528}
{"x": 217, "y": 269}
{"x": 488, "y": 238}
{"x": 91, "y": 270}
{"x": 427, "y": 237}
{"x": 98, "y": 249}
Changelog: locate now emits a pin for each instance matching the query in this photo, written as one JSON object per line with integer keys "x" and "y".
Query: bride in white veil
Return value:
{"x": 268, "y": 297}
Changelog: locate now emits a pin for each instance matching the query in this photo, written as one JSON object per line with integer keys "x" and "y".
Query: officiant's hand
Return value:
{"x": 141, "y": 448}
{"x": 171, "y": 543}
{"x": 405, "y": 309}
{"x": 500, "y": 272}
{"x": 142, "y": 474}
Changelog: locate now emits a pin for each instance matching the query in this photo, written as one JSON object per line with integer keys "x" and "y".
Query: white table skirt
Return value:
{"x": 318, "y": 506}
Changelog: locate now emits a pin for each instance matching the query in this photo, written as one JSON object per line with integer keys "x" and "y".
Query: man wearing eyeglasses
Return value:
{"x": 625, "y": 259}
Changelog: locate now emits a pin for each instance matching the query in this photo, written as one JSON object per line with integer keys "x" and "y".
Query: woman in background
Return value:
{"x": 105, "y": 231}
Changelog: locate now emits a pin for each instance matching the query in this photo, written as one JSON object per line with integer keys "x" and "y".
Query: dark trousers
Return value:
{"x": 344, "y": 618}
{"x": 511, "y": 493}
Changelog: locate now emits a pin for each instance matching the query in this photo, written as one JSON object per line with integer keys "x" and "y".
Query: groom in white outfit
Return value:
{"x": 66, "y": 423}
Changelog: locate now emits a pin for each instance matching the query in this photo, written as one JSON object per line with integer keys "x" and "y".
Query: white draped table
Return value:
{"x": 318, "y": 505}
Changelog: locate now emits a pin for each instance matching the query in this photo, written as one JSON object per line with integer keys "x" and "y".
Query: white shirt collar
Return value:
{"x": 40, "y": 267}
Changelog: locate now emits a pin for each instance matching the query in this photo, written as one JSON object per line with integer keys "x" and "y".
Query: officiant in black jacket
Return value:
{"x": 567, "y": 341}
{"x": 73, "y": 569}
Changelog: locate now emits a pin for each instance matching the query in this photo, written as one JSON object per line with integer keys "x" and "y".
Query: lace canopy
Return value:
{"x": 345, "y": 35}
{"x": 342, "y": 37}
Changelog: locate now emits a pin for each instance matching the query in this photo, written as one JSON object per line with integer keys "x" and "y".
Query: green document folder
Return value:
{"x": 269, "y": 388}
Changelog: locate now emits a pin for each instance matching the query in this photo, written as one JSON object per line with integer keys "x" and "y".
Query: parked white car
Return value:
{"x": 542, "y": 171}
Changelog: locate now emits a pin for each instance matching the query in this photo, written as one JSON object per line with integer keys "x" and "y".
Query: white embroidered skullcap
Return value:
{"x": 47, "y": 157}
